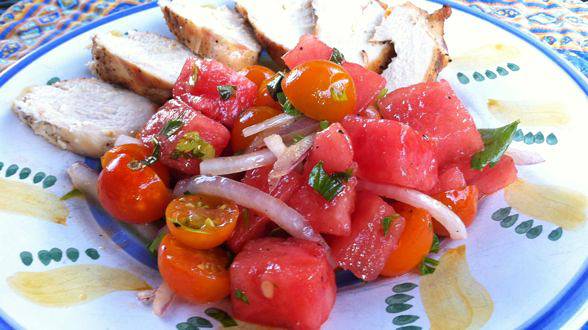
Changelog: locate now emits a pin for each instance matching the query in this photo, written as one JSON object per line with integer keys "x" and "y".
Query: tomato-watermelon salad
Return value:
{"x": 271, "y": 182}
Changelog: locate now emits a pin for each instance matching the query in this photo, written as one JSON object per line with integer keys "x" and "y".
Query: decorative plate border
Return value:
{"x": 556, "y": 312}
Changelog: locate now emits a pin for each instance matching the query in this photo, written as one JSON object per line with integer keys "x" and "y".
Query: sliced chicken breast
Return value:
{"x": 421, "y": 52}
{"x": 278, "y": 24}
{"x": 215, "y": 32}
{"x": 349, "y": 26}
{"x": 82, "y": 115}
{"x": 144, "y": 62}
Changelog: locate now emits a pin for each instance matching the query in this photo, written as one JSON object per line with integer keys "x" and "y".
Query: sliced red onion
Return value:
{"x": 275, "y": 144}
{"x": 415, "y": 198}
{"x": 292, "y": 156}
{"x": 84, "y": 179}
{"x": 125, "y": 139}
{"x": 524, "y": 157}
{"x": 303, "y": 126}
{"x": 254, "y": 199}
{"x": 164, "y": 296}
{"x": 276, "y": 121}
{"x": 236, "y": 164}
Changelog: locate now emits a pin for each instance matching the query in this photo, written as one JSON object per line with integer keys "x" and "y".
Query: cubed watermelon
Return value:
{"x": 282, "y": 283}
{"x": 187, "y": 121}
{"x": 365, "y": 251}
{"x": 329, "y": 217}
{"x": 200, "y": 84}
{"x": 368, "y": 84}
{"x": 433, "y": 109}
{"x": 489, "y": 179}
{"x": 387, "y": 151}
{"x": 333, "y": 147}
{"x": 252, "y": 225}
{"x": 450, "y": 178}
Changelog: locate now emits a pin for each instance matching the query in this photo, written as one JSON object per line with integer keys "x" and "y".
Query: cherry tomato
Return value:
{"x": 264, "y": 98}
{"x": 322, "y": 90}
{"x": 414, "y": 244}
{"x": 200, "y": 221}
{"x": 248, "y": 118}
{"x": 199, "y": 276}
{"x": 464, "y": 202}
{"x": 130, "y": 191}
{"x": 257, "y": 73}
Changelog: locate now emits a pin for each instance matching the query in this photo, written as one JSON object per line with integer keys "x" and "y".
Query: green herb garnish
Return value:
{"x": 172, "y": 127}
{"x": 191, "y": 145}
{"x": 337, "y": 95}
{"x": 428, "y": 265}
{"x": 324, "y": 124}
{"x": 382, "y": 93}
{"x": 436, "y": 244}
{"x": 496, "y": 141}
{"x": 71, "y": 194}
{"x": 136, "y": 165}
{"x": 327, "y": 185}
{"x": 337, "y": 56}
{"x": 297, "y": 138}
{"x": 274, "y": 86}
{"x": 154, "y": 245}
{"x": 287, "y": 106}
{"x": 226, "y": 91}
{"x": 387, "y": 221}
{"x": 241, "y": 296}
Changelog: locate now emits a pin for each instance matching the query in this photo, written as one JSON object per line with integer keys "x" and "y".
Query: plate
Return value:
{"x": 523, "y": 265}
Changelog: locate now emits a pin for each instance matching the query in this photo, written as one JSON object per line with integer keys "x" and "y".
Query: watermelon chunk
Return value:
{"x": 203, "y": 95}
{"x": 288, "y": 283}
{"x": 433, "y": 109}
{"x": 251, "y": 225}
{"x": 368, "y": 84}
{"x": 489, "y": 179}
{"x": 450, "y": 178}
{"x": 333, "y": 147}
{"x": 365, "y": 251}
{"x": 193, "y": 121}
{"x": 391, "y": 152}
{"x": 329, "y": 217}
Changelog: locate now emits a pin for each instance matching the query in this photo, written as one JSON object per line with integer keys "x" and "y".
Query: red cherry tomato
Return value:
{"x": 257, "y": 73}
{"x": 130, "y": 191}
{"x": 464, "y": 202}
{"x": 199, "y": 276}
{"x": 322, "y": 90}
{"x": 248, "y": 118}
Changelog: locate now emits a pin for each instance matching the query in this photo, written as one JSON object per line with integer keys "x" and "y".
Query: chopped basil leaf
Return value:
{"x": 72, "y": 194}
{"x": 428, "y": 265}
{"x": 382, "y": 93}
{"x": 241, "y": 296}
{"x": 326, "y": 185}
{"x": 191, "y": 145}
{"x": 344, "y": 176}
{"x": 387, "y": 221}
{"x": 337, "y": 56}
{"x": 297, "y": 138}
{"x": 324, "y": 124}
{"x": 226, "y": 91}
{"x": 172, "y": 127}
{"x": 436, "y": 244}
{"x": 136, "y": 165}
{"x": 496, "y": 141}
{"x": 274, "y": 86}
{"x": 337, "y": 95}
{"x": 154, "y": 245}
{"x": 287, "y": 106}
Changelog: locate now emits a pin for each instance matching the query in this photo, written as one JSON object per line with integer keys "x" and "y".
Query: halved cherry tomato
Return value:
{"x": 264, "y": 98}
{"x": 199, "y": 276}
{"x": 322, "y": 90}
{"x": 201, "y": 221}
{"x": 257, "y": 73}
{"x": 130, "y": 190}
{"x": 464, "y": 202}
{"x": 248, "y": 118}
{"x": 415, "y": 241}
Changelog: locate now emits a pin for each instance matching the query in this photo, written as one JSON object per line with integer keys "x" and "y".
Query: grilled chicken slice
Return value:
{"x": 144, "y": 62}
{"x": 82, "y": 115}
{"x": 421, "y": 52}
{"x": 349, "y": 26}
{"x": 278, "y": 24}
{"x": 215, "y": 32}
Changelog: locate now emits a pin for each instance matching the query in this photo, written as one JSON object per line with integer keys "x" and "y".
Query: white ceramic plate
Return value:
{"x": 523, "y": 265}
